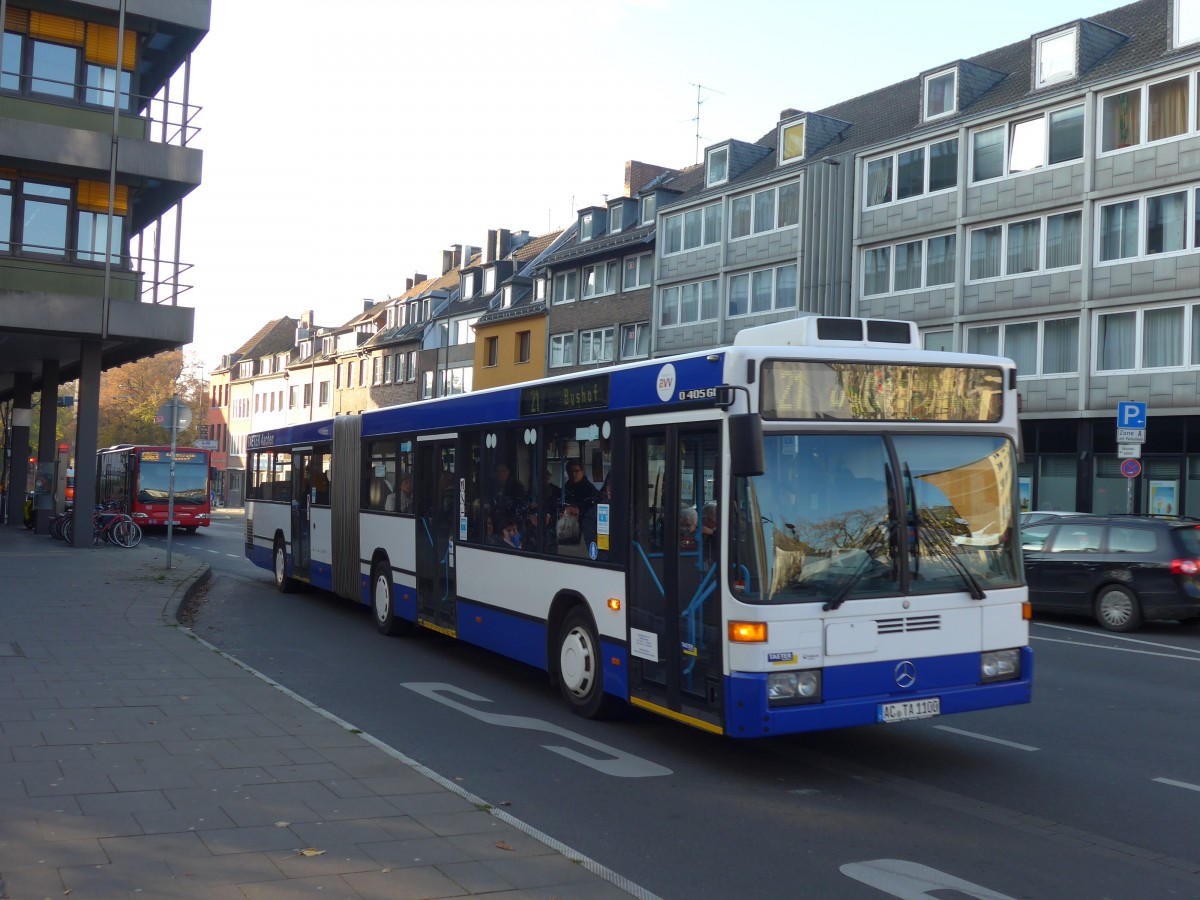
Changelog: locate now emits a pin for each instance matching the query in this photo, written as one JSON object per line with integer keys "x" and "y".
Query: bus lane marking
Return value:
{"x": 621, "y": 765}
{"x": 984, "y": 737}
{"x": 913, "y": 881}
{"x": 1179, "y": 784}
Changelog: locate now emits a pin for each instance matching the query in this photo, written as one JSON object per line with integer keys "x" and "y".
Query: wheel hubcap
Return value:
{"x": 575, "y": 662}
{"x": 382, "y": 600}
{"x": 280, "y": 566}
{"x": 1115, "y": 608}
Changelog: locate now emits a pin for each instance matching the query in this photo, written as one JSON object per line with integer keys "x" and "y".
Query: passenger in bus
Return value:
{"x": 509, "y": 497}
{"x": 405, "y": 503}
{"x": 567, "y": 530}
{"x": 708, "y": 530}
{"x": 510, "y": 534}
{"x": 579, "y": 492}
{"x": 687, "y": 528}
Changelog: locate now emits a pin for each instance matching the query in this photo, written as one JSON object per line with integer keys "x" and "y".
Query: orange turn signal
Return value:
{"x": 614, "y": 603}
{"x": 748, "y": 632}
{"x": 1027, "y": 611}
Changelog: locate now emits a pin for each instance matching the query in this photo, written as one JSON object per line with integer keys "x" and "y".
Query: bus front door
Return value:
{"x": 674, "y": 592}
{"x": 301, "y": 500}
{"x": 438, "y": 512}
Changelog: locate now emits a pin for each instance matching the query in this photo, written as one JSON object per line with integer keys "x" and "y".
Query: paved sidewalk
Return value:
{"x": 137, "y": 760}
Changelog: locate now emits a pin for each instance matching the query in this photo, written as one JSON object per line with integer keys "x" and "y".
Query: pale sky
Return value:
{"x": 347, "y": 144}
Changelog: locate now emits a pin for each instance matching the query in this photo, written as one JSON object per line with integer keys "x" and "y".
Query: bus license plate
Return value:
{"x": 908, "y": 710}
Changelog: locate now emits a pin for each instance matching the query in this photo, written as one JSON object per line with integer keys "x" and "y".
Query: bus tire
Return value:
{"x": 283, "y": 582}
{"x": 580, "y": 669}
{"x": 383, "y": 601}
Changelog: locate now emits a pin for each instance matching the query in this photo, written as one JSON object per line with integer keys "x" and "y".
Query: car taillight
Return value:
{"x": 1185, "y": 567}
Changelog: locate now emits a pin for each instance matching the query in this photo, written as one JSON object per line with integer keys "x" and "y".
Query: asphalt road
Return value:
{"x": 1091, "y": 791}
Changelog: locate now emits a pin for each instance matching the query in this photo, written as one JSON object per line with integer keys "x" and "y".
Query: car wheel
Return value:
{"x": 383, "y": 601}
{"x": 283, "y": 582}
{"x": 580, "y": 670}
{"x": 1117, "y": 609}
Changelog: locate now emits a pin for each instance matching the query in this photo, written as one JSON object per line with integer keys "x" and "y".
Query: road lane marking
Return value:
{"x": 913, "y": 881}
{"x": 1195, "y": 659}
{"x": 621, "y": 765}
{"x": 984, "y": 737}
{"x": 1181, "y": 784}
{"x": 1112, "y": 637}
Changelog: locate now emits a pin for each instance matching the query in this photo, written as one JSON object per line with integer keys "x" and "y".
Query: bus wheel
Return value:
{"x": 580, "y": 671}
{"x": 383, "y": 600}
{"x": 283, "y": 583}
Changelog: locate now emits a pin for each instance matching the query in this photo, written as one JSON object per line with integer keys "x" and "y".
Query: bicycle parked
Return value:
{"x": 109, "y": 523}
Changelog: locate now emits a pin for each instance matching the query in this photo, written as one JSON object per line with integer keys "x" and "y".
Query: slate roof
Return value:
{"x": 1122, "y": 41}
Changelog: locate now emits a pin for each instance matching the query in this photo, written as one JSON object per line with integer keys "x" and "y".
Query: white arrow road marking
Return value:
{"x": 622, "y": 764}
{"x": 913, "y": 881}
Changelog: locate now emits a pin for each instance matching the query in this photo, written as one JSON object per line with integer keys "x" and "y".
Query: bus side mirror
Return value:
{"x": 745, "y": 445}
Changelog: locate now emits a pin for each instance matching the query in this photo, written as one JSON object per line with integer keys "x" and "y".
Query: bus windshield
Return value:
{"x": 837, "y": 517}
{"x": 154, "y": 482}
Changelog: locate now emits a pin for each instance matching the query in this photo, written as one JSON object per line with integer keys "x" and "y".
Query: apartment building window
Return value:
{"x": 1151, "y": 112}
{"x": 524, "y": 343}
{"x": 764, "y": 211}
{"x": 323, "y": 390}
{"x": 1187, "y": 22}
{"x": 692, "y": 229}
{"x": 387, "y": 368}
{"x": 638, "y": 271}
{"x": 410, "y": 364}
{"x": 942, "y": 341}
{"x": 1026, "y": 246}
{"x": 941, "y": 94}
{"x": 455, "y": 381}
{"x": 615, "y": 219}
{"x": 464, "y": 331}
{"x": 912, "y": 173}
{"x": 562, "y": 350}
{"x": 426, "y": 385}
{"x": 293, "y": 396}
{"x": 717, "y": 167}
{"x": 600, "y": 279}
{"x": 1152, "y": 338}
{"x": 51, "y": 65}
{"x": 375, "y": 373}
{"x": 362, "y": 372}
{"x": 566, "y": 287}
{"x": 635, "y": 340}
{"x": 1047, "y": 139}
{"x": 649, "y": 207}
{"x": 491, "y": 350}
{"x": 596, "y": 346}
{"x": 587, "y": 227}
{"x": 398, "y": 366}
{"x": 1056, "y": 57}
{"x": 1049, "y": 347}
{"x": 763, "y": 291}
{"x": 687, "y": 304}
{"x": 1148, "y": 226}
{"x": 307, "y": 396}
{"x": 918, "y": 264}
{"x": 45, "y": 210}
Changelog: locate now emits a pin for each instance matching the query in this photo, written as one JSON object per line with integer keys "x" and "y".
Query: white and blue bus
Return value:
{"x": 812, "y": 528}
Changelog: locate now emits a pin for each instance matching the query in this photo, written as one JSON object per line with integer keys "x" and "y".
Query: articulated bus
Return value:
{"x": 139, "y": 478}
{"x": 812, "y": 528}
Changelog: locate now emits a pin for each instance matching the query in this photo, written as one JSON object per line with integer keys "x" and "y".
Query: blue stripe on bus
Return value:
{"x": 518, "y": 637}
{"x": 954, "y": 679}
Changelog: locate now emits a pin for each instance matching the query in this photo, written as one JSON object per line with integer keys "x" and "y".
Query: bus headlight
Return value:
{"x": 1000, "y": 665}
{"x": 790, "y": 688}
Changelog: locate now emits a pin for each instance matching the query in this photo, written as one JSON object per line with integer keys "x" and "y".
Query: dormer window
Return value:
{"x": 1187, "y": 22}
{"x": 489, "y": 281}
{"x": 327, "y": 345}
{"x": 468, "y": 285}
{"x": 941, "y": 94}
{"x": 718, "y": 167}
{"x": 1056, "y": 57}
{"x": 587, "y": 226}
{"x": 539, "y": 289}
{"x": 616, "y": 215}
{"x": 649, "y": 205}
{"x": 506, "y": 297}
{"x": 791, "y": 141}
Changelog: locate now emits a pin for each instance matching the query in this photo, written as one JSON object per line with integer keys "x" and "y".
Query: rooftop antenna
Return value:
{"x": 700, "y": 100}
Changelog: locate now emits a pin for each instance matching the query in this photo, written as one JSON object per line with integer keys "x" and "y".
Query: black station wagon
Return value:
{"x": 1122, "y": 570}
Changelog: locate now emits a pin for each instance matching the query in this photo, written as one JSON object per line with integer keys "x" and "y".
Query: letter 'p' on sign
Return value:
{"x": 1131, "y": 415}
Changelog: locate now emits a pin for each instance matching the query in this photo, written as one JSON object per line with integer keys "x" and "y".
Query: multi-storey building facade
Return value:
{"x": 96, "y": 150}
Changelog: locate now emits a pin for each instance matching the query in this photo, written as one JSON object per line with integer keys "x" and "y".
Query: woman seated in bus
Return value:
{"x": 687, "y": 528}
{"x": 510, "y": 534}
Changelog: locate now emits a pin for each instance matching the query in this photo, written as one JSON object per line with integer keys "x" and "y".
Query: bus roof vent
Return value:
{"x": 831, "y": 331}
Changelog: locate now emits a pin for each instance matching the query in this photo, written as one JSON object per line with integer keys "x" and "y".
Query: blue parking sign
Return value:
{"x": 1131, "y": 415}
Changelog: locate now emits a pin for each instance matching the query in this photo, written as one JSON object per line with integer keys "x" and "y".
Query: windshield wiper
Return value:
{"x": 942, "y": 544}
{"x": 840, "y": 597}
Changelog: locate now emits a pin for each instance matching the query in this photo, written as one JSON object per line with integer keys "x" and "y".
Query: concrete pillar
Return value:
{"x": 47, "y": 450}
{"x": 18, "y": 444}
{"x": 87, "y": 424}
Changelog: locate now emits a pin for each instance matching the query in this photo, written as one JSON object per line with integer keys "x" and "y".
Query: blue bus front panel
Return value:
{"x": 852, "y": 695}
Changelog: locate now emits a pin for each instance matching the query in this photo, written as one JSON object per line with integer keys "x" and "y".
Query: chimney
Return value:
{"x": 418, "y": 278}
{"x": 306, "y": 319}
{"x": 503, "y": 243}
{"x": 367, "y": 303}
{"x": 640, "y": 174}
{"x": 489, "y": 250}
{"x": 408, "y": 284}
{"x": 448, "y": 258}
{"x": 467, "y": 252}
{"x": 789, "y": 113}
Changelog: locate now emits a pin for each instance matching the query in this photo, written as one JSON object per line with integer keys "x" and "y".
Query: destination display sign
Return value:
{"x": 880, "y": 392}
{"x": 565, "y": 396}
{"x": 181, "y": 456}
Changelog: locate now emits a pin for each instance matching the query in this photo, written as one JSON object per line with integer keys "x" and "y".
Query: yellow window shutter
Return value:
{"x": 93, "y": 196}
{"x": 102, "y": 46}
{"x": 56, "y": 28}
{"x": 16, "y": 20}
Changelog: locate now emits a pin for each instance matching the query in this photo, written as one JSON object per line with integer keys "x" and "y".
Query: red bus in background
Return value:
{"x": 140, "y": 478}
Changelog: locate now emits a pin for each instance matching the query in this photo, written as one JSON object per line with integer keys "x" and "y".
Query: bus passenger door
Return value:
{"x": 674, "y": 592}
{"x": 301, "y": 500}
{"x": 438, "y": 512}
